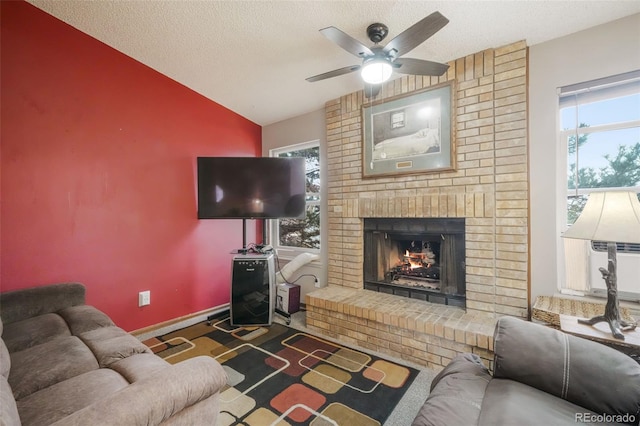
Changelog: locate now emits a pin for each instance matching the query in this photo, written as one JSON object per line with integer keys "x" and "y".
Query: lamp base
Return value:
{"x": 616, "y": 325}
{"x": 612, "y": 308}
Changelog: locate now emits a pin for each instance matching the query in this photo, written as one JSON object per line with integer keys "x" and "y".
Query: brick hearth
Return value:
{"x": 421, "y": 332}
{"x": 489, "y": 188}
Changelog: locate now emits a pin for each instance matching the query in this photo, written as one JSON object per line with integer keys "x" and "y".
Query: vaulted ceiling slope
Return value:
{"x": 253, "y": 56}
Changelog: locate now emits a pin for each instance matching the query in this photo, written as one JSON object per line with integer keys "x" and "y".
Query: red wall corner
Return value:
{"x": 98, "y": 174}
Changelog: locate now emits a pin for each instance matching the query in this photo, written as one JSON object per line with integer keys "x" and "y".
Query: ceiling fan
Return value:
{"x": 379, "y": 62}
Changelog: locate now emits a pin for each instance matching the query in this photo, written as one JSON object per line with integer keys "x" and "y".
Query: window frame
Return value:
{"x": 587, "y": 90}
{"x": 289, "y": 252}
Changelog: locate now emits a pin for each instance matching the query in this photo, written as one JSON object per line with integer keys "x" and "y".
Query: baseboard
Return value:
{"x": 177, "y": 323}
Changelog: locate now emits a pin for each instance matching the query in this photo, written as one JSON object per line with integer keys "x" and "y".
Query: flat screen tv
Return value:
{"x": 251, "y": 187}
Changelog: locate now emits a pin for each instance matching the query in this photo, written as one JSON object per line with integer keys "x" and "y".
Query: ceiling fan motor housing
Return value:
{"x": 377, "y": 32}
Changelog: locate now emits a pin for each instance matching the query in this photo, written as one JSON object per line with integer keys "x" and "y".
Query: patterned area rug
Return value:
{"x": 277, "y": 375}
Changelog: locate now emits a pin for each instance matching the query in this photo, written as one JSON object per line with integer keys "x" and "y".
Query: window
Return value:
{"x": 600, "y": 134}
{"x": 299, "y": 235}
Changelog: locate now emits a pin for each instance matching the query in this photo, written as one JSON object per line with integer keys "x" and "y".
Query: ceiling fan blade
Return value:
{"x": 334, "y": 73}
{"x": 347, "y": 42}
{"x": 419, "y": 67}
{"x": 372, "y": 90}
{"x": 415, "y": 34}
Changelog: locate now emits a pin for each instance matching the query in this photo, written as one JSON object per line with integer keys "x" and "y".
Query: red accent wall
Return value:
{"x": 98, "y": 174}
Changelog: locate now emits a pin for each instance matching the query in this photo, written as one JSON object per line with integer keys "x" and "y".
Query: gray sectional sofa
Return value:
{"x": 66, "y": 363}
{"x": 541, "y": 377}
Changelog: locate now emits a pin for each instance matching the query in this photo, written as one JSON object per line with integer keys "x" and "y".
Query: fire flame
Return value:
{"x": 414, "y": 261}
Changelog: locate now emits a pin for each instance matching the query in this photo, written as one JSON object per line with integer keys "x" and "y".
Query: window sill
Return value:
{"x": 600, "y": 295}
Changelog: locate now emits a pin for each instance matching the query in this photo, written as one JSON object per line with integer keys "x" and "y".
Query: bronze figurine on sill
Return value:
{"x": 612, "y": 308}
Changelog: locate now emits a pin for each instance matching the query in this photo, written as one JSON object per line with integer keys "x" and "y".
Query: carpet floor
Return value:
{"x": 285, "y": 376}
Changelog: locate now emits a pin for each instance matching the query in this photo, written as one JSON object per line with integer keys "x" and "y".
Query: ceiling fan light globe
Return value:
{"x": 376, "y": 71}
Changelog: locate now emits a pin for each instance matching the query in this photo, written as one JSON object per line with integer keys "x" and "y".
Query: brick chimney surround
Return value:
{"x": 489, "y": 188}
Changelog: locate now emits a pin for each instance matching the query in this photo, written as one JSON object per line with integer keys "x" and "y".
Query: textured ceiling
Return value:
{"x": 253, "y": 56}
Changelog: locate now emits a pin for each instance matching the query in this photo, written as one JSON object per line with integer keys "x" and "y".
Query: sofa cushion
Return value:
{"x": 111, "y": 344}
{"x": 508, "y": 402}
{"x": 34, "y": 331}
{"x": 583, "y": 372}
{"x": 58, "y": 401}
{"x": 18, "y": 305}
{"x": 201, "y": 413}
{"x": 157, "y": 398}
{"x": 49, "y": 363}
{"x": 8, "y": 409}
{"x": 456, "y": 393}
{"x": 83, "y": 318}
{"x": 139, "y": 366}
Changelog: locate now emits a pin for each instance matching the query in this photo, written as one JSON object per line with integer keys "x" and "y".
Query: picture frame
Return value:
{"x": 410, "y": 134}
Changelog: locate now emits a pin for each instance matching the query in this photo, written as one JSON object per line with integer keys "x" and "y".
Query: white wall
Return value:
{"x": 304, "y": 128}
{"x": 600, "y": 51}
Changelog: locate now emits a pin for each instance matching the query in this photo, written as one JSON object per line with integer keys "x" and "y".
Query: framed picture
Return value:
{"x": 408, "y": 134}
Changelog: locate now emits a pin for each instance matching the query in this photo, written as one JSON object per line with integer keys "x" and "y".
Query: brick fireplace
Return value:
{"x": 488, "y": 191}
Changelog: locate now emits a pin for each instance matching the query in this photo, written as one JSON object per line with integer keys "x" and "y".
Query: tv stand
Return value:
{"x": 244, "y": 235}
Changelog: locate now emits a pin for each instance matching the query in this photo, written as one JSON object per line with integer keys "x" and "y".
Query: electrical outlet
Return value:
{"x": 317, "y": 284}
{"x": 144, "y": 298}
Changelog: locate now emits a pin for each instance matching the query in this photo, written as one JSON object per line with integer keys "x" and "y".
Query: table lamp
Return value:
{"x": 613, "y": 217}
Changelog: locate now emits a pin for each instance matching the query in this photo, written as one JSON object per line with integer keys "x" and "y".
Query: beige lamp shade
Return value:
{"x": 608, "y": 216}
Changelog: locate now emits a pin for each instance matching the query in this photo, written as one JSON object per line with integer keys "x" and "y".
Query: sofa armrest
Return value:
{"x": 583, "y": 372}
{"x": 19, "y": 305}
{"x": 154, "y": 400}
{"x": 456, "y": 393}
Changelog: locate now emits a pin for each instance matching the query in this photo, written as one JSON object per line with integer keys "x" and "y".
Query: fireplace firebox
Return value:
{"x": 421, "y": 258}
